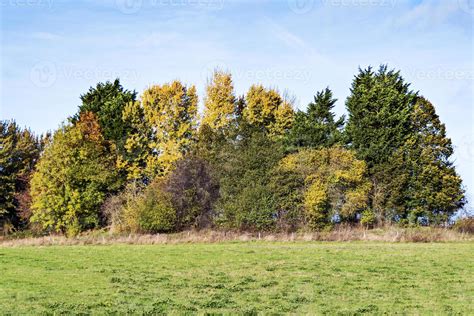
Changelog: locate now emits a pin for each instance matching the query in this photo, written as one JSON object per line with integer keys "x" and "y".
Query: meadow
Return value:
{"x": 239, "y": 277}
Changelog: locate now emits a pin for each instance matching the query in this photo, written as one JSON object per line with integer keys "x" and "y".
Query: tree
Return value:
{"x": 380, "y": 106}
{"x": 193, "y": 191}
{"x": 164, "y": 128}
{"x": 317, "y": 127}
{"x": 244, "y": 172}
{"x": 107, "y": 101}
{"x": 19, "y": 152}
{"x": 219, "y": 103}
{"x": 73, "y": 177}
{"x": 335, "y": 183}
{"x": 427, "y": 186}
{"x": 268, "y": 111}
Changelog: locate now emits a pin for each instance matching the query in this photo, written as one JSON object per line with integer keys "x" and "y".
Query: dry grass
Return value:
{"x": 347, "y": 234}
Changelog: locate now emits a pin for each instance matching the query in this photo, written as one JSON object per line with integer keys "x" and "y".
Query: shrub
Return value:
{"x": 465, "y": 225}
{"x": 138, "y": 209}
{"x": 193, "y": 192}
{"x": 119, "y": 211}
{"x": 367, "y": 218}
{"x": 155, "y": 210}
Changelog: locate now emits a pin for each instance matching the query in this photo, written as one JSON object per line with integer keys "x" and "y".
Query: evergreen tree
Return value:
{"x": 19, "y": 151}
{"x": 380, "y": 107}
{"x": 427, "y": 185}
{"x": 107, "y": 101}
{"x": 317, "y": 127}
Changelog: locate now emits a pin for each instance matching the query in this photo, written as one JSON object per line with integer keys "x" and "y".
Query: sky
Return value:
{"x": 52, "y": 51}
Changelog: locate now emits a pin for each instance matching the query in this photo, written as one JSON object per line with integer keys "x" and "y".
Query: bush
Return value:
{"x": 119, "y": 211}
{"x": 465, "y": 225}
{"x": 193, "y": 192}
{"x": 155, "y": 210}
{"x": 137, "y": 209}
{"x": 367, "y": 218}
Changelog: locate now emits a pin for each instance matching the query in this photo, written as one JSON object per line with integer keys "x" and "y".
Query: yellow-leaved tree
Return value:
{"x": 268, "y": 109}
{"x": 219, "y": 103}
{"x": 335, "y": 183}
{"x": 164, "y": 123}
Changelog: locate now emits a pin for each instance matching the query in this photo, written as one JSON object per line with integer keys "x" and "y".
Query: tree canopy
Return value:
{"x": 153, "y": 164}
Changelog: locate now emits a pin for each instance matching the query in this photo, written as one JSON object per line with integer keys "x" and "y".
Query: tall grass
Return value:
{"x": 346, "y": 234}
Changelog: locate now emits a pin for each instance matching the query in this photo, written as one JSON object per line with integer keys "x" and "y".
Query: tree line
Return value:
{"x": 153, "y": 163}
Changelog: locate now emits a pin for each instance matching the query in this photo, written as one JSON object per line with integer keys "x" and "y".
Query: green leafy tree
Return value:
{"x": 317, "y": 127}
{"x": 245, "y": 173}
{"x": 73, "y": 177}
{"x": 107, "y": 101}
{"x": 19, "y": 152}
{"x": 426, "y": 186}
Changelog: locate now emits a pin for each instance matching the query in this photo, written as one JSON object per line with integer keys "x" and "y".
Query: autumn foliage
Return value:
{"x": 250, "y": 162}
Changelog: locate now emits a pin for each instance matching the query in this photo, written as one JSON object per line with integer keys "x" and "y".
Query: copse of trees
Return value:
{"x": 19, "y": 152}
{"x": 251, "y": 162}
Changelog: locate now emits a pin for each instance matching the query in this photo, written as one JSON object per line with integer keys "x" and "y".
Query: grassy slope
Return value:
{"x": 244, "y": 277}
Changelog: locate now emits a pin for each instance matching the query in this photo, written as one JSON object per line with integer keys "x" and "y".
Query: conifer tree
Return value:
{"x": 380, "y": 107}
{"x": 107, "y": 101}
{"x": 317, "y": 127}
{"x": 427, "y": 185}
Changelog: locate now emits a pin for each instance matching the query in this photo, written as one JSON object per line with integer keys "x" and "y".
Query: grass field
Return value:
{"x": 251, "y": 277}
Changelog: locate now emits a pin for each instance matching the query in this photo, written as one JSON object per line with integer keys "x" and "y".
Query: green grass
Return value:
{"x": 253, "y": 277}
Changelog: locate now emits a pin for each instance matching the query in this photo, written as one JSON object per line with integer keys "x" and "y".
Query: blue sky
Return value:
{"x": 52, "y": 51}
